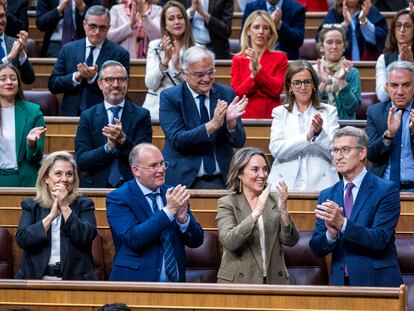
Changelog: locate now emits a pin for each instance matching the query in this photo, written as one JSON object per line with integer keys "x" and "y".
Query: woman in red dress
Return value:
{"x": 258, "y": 71}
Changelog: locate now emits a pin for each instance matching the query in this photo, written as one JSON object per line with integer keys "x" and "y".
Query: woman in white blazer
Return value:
{"x": 163, "y": 68}
{"x": 301, "y": 134}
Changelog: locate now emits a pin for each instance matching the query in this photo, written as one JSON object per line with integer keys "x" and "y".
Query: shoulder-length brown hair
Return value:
{"x": 238, "y": 163}
{"x": 294, "y": 68}
{"x": 391, "y": 44}
{"x": 187, "y": 39}
{"x": 43, "y": 195}
{"x": 244, "y": 40}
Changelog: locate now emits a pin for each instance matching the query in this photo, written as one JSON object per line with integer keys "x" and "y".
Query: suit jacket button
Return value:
{"x": 241, "y": 275}
{"x": 280, "y": 273}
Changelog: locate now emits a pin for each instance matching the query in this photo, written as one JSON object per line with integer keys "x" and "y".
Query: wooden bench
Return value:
{"x": 313, "y": 20}
{"x": 43, "y": 68}
{"x": 76, "y": 295}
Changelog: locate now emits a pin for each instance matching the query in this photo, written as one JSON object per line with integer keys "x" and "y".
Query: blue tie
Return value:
{"x": 84, "y": 97}
{"x": 1, "y": 50}
{"x": 169, "y": 257}
{"x": 395, "y": 172}
{"x": 114, "y": 177}
{"x": 89, "y": 59}
{"x": 271, "y": 9}
{"x": 208, "y": 159}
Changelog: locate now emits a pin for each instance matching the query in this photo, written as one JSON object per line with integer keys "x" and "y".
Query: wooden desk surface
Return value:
{"x": 78, "y": 295}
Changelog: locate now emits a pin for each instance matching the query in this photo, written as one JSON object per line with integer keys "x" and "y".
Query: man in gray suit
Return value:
{"x": 12, "y": 49}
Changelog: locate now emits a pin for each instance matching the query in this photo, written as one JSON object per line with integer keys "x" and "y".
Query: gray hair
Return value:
{"x": 359, "y": 134}
{"x": 195, "y": 54}
{"x": 400, "y": 65}
{"x": 98, "y": 10}
{"x": 137, "y": 150}
{"x": 110, "y": 63}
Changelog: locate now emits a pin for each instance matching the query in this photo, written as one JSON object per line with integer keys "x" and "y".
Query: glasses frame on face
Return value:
{"x": 344, "y": 150}
{"x": 111, "y": 80}
{"x": 297, "y": 84}
{"x": 405, "y": 26}
{"x": 201, "y": 75}
{"x": 94, "y": 27}
{"x": 154, "y": 167}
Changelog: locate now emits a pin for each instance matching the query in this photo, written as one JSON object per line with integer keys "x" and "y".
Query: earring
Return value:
{"x": 291, "y": 93}
{"x": 240, "y": 187}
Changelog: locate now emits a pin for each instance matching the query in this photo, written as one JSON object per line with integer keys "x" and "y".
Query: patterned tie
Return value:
{"x": 208, "y": 159}
{"x": 114, "y": 174}
{"x": 2, "y": 54}
{"x": 169, "y": 257}
{"x": 271, "y": 9}
{"x": 84, "y": 97}
{"x": 68, "y": 25}
{"x": 349, "y": 199}
{"x": 395, "y": 172}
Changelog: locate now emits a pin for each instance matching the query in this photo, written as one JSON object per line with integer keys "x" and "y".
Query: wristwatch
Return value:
{"x": 387, "y": 137}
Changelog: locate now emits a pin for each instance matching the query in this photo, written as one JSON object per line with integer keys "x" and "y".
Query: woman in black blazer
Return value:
{"x": 56, "y": 229}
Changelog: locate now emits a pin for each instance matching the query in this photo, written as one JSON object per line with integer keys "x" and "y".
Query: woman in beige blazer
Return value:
{"x": 253, "y": 223}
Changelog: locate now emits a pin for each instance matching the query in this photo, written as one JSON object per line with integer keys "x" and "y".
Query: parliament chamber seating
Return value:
{"x": 308, "y": 49}
{"x": 98, "y": 257}
{"x": 367, "y": 99}
{"x": 48, "y": 102}
{"x": 6, "y": 257}
{"x": 405, "y": 251}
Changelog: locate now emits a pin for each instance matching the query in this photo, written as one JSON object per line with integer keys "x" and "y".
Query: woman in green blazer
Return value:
{"x": 21, "y": 132}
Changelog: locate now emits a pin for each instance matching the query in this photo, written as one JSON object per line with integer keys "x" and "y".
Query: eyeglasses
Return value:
{"x": 201, "y": 75}
{"x": 94, "y": 27}
{"x": 155, "y": 167}
{"x": 343, "y": 150}
{"x": 405, "y": 26}
{"x": 297, "y": 84}
{"x": 111, "y": 80}
{"x": 332, "y": 26}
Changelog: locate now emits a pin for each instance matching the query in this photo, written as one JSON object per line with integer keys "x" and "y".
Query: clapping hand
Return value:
{"x": 34, "y": 135}
{"x": 316, "y": 126}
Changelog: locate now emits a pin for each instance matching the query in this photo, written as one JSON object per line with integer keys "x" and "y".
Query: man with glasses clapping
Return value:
{"x": 76, "y": 69}
{"x": 107, "y": 132}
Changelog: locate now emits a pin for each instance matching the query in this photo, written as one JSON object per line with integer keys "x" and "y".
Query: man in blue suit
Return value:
{"x": 76, "y": 68}
{"x": 289, "y": 19}
{"x": 107, "y": 132}
{"x": 200, "y": 127}
{"x": 17, "y": 18}
{"x": 150, "y": 223}
{"x": 390, "y": 128}
{"x": 356, "y": 218}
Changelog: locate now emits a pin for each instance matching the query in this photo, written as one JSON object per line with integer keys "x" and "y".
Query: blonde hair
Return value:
{"x": 244, "y": 40}
{"x": 42, "y": 189}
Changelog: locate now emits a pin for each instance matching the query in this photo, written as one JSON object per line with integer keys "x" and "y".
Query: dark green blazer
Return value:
{"x": 27, "y": 116}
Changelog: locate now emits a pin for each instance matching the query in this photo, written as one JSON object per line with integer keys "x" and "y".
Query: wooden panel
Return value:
{"x": 312, "y": 22}
{"x": 159, "y": 296}
{"x": 203, "y": 204}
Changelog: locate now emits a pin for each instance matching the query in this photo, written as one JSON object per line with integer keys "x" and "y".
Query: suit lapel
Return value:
{"x": 245, "y": 211}
{"x": 102, "y": 120}
{"x": 140, "y": 203}
{"x": 367, "y": 186}
{"x": 127, "y": 116}
{"x": 214, "y": 97}
{"x": 20, "y": 117}
{"x": 269, "y": 221}
{"x": 102, "y": 53}
{"x": 190, "y": 108}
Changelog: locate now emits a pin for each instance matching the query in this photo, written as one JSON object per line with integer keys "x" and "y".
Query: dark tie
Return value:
{"x": 114, "y": 174}
{"x": 1, "y": 50}
{"x": 84, "y": 97}
{"x": 395, "y": 172}
{"x": 271, "y": 9}
{"x": 169, "y": 257}
{"x": 208, "y": 159}
{"x": 68, "y": 31}
{"x": 89, "y": 59}
{"x": 349, "y": 199}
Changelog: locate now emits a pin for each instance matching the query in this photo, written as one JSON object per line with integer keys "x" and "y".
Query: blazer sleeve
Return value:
{"x": 119, "y": 30}
{"x": 87, "y": 155}
{"x": 60, "y": 81}
{"x": 240, "y": 82}
{"x": 378, "y": 152}
{"x": 194, "y": 236}
{"x": 152, "y": 23}
{"x": 271, "y": 80}
{"x": 36, "y": 155}
{"x": 381, "y": 28}
{"x": 124, "y": 223}
{"x": 153, "y": 75}
{"x": 26, "y": 71}
{"x": 30, "y": 232}
{"x": 232, "y": 235}
{"x": 349, "y": 98}
{"x": 377, "y": 236}
{"x": 80, "y": 227}
{"x": 381, "y": 79}
{"x": 220, "y": 25}
{"x": 19, "y": 19}
{"x": 293, "y": 32}
{"x": 46, "y": 17}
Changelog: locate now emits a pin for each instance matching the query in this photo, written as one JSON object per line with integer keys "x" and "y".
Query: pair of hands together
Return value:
{"x": 178, "y": 202}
